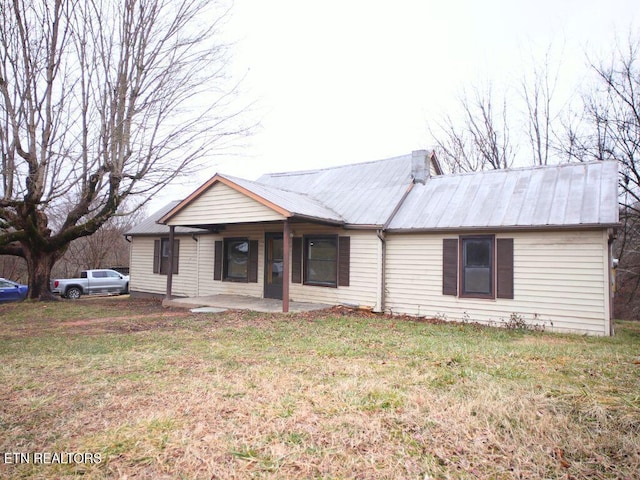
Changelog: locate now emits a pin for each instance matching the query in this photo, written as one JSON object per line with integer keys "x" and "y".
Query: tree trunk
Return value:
{"x": 39, "y": 265}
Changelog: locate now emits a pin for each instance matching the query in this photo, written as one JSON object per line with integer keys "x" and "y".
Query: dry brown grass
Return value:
{"x": 168, "y": 394}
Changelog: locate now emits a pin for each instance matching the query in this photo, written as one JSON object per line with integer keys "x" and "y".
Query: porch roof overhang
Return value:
{"x": 290, "y": 205}
{"x": 214, "y": 228}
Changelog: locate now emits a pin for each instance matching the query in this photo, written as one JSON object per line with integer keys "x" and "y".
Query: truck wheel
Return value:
{"x": 73, "y": 293}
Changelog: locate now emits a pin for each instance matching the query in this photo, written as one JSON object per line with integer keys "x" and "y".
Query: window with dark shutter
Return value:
{"x": 344, "y": 260}
{"x": 472, "y": 264}
{"x": 217, "y": 260}
{"x": 450, "y": 266}
{"x": 296, "y": 260}
{"x": 504, "y": 254}
{"x": 239, "y": 260}
{"x": 161, "y": 256}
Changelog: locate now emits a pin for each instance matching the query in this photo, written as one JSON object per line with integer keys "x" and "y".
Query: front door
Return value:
{"x": 273, "y": 263}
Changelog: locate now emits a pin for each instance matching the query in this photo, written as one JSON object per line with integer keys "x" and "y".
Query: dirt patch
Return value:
{"x": 93, "y": 321}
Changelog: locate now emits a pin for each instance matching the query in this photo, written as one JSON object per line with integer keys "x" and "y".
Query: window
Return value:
{"x": 321, "y": 266}
{"x": 161, "y": 256}
{"x": 317, "y": 261}
{"x": 236, "y": 259}
{"x": 477, "y": 267}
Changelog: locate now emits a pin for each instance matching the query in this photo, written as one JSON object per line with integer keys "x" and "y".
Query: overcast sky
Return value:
{"x": 344, "y": 81}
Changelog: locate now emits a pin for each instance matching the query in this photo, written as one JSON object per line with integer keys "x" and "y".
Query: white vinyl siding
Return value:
{"x": 197, "y": 262}
{"x": 363, "y": 270}
{"x": 222, "y": 204}
{"x": 560, "y": 281}
{"x": 206, "y": 252}
{"x": 141, "y": 267}
{"x": 364, "y": 280}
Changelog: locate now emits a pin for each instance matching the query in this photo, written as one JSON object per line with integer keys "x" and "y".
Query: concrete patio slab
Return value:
{"x": 241, "y": 302}
{"x": 208, "y": 310}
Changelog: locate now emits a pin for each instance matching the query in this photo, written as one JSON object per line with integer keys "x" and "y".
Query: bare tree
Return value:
{"x": 106, "y": 248}
{"x": 480, "y": 139}
{"x": 609, "y": 129}
{"x": 13, "y": 268}
{"x": 614, "y": 112}
{"x": 627, "y": 248}
{"x": 100, "y": 101}
{"x": 538, "y": 90}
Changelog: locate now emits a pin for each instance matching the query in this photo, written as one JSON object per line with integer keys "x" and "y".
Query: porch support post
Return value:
{"x": 286, "y": 242}
{"x": 170, "y": 266}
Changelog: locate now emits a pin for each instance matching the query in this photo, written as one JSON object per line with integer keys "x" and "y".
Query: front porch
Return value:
{"x": 241, "y": 302}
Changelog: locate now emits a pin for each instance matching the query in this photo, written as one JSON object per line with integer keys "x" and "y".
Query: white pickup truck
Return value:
{"x": 91, "y": 282}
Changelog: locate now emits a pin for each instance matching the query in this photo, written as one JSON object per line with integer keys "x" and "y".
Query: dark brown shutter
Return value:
{"x": 505, "y": 267}
{"x": 217, "y": 260}
{"x": 344, "y": 260}
{"x": 176, "y": 256}
{"x": 296, "y": 260}
{"x": 450, "y": 266}
{"x": 252, "y": 273}
{"x": 157, "y": 251}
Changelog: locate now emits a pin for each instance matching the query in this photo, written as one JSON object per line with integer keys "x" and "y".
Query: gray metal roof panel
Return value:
{"x": 149, "y": 225}
{"x": 362, "y": 193}
{"x": 294, "y": 202}
{"x": 561, "y": 195}
{"x": 367, "y": 194}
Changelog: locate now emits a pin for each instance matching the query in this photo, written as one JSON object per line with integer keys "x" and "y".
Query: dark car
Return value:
{"x": 12, "y": 291}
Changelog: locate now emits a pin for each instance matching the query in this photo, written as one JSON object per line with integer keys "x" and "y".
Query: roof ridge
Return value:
{"x": 523, "y": 169}
{"x": 333, "y": 167}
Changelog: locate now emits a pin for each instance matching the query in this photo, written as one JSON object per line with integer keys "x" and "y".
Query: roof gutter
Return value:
{"x": 310, "y": 218}
{"x": 506, "y": 228}
{"x": 383, "y": 264}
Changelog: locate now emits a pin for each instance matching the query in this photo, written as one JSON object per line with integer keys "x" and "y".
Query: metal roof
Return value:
{"x": 361, "y": 194}
{"x": 297, "y": 203}
{"x": 570, "y": 194}
{"x": 367, "y": 194}
{"x": 149, "y": 225}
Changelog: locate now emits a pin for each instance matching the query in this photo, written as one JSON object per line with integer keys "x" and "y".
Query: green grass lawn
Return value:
{"x": 168, "y": 394}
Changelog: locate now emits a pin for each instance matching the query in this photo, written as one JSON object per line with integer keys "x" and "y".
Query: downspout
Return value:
{"x": 383, "y": 269}
{"x": 383, "y": 242}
